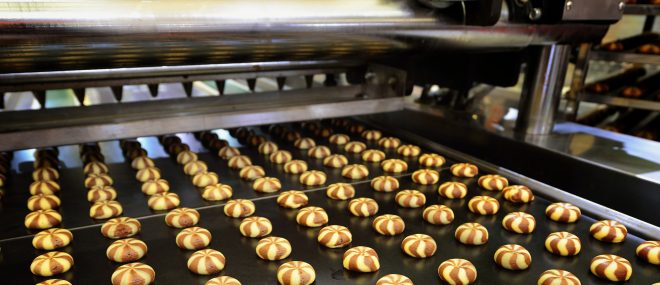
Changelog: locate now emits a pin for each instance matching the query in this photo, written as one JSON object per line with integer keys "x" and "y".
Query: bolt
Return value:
{"x": 569, "y": 5}
{"x": 535, "y": 14}
{"x": 622, "y": 5}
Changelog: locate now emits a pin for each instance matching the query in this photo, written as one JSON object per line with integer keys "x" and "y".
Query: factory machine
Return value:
{"x": 123, "y": 188}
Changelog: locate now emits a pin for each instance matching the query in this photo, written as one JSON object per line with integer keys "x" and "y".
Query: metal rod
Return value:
{"x": 544, "y": 79}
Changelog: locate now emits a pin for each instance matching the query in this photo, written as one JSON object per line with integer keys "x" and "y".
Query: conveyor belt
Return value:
{"x": 92, "y": 267}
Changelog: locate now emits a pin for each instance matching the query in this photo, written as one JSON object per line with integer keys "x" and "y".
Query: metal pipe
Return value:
{"x": 544, "y": 80}
{"x": 68, "y": 35}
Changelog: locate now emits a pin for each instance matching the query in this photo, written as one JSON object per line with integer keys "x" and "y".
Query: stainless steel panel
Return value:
{"x": 593, "y": 10}
{"x": 113, "y": 121}
{"x": 620, "y": 101}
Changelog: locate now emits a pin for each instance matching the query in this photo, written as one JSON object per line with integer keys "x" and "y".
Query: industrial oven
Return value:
{"x": 210, "y": 130}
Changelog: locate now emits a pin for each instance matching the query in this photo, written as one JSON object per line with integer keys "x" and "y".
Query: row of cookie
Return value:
{"x": 203, "y": 261}
{"x": 44, "y": 202}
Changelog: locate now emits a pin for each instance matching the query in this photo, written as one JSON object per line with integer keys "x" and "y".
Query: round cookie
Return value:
{"x": 182, "y": 218}
{"x": 319, "y": 151}
{"x": 394, "y": 165}
{"x": 471, "y": 234}
{"x": 340, "y": 191}
{"x": 295, "y": 166}
{"x": 163, "y": 201}
{"x": 312, "y": 178}
{"x": 205, "y": 178}
{"x": 93, "y": 180}
{"x": 304, "y": 143}
{"x": 291, "y": 136}
{"x": 452, "y": 190}
{"x": 251, "y": 172}
{"x": 54, "y": 282}
{"x": 438, "y": 215}
{"x": 419, "y": 245}
{"x": 193, "y": 238}
{"x": 239, "y": 161}
{"x": 239, "y": 208}
{"x": 335, "y": 236}
{"x": 649, "y": 251}
{"x": 519, "y": 222}
{"x": 361, "y": 259}
{"x": 126, "y": 250}
{"x": 267, "y": 147}
{"x": 152, "y": 187}
{"x": 254, "y": 227}
{"x": 121, "y": 227}
{"x": 43, "y": 202}
{"x": 44, "y": 187}
{"x": 292, "y": 199}
{"x": 45, "y": 174}
{"x": 373, "y": 155}
{"x": 228, "y": 152}
{"x": 141, "y": 162}
{"x": 186, "y": 157}
{"x": 518, "y": 194}
{"x": 464, "y": 170}
{"x": 493, "y": 182}
{"x": 51, "y": 263}
{"x": 312, "y": 217}
{"x": 95, "y": 167}
{"x": 408, "y": 150}
{"x": 609, "y": 231}
{"x": 133, "y": 274}
{"x": 371, "y": 135}
{"x": 389, "y": 142}
{"x": 273, "y": 248}
{"x": 484, "y": 205}
{"x": 105, "y": 209}
{"x": 410, "y": 199}
{"x": 335, "y": 161}
{"x": 194, "y": 167}
{"x": 563, "y": 212}
{"x": 280, "y": 157}
{"x": 385, "y": 184}
{"x": 356, "y": 128}
{"x": 135, "y": 152}
{"x": 431, "y": 160}
{"x": 206, "y": 262}
{"x": 324, "y": 132}
{"x": 148, "y": 173}
{"x": 52, "y": 239}
{"x": 513, "y": 257}
{"x": 217, "y": 192}
{"x": 296, "y": 273}
{"x": 457, "y": 272}
{"x": 355, "y": 171}
{"x": 355, "y": 147}
{"x": 394, "y": 279}
{"x": 388, "y": 225}
{"x": 42, "y": 219}
{"x": 223, "y": 280}
{"x": 363, "y": 207}
{"x": 339, "y": 139}
{"x": 255, "y": 140}
{"x": 101, "y": 193}
{"x": 563, "y": 244}
{"x": 267, "y": 185}
{"x": 611, "y": 267}
{"x": 557, "y": 277}
{"x": 425, "y": 176}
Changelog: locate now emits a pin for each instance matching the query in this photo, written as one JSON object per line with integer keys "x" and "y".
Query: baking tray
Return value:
{"x": 88, "y": 248}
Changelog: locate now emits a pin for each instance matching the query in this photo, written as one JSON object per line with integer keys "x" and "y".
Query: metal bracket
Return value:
{"x": 384, "y": 81}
